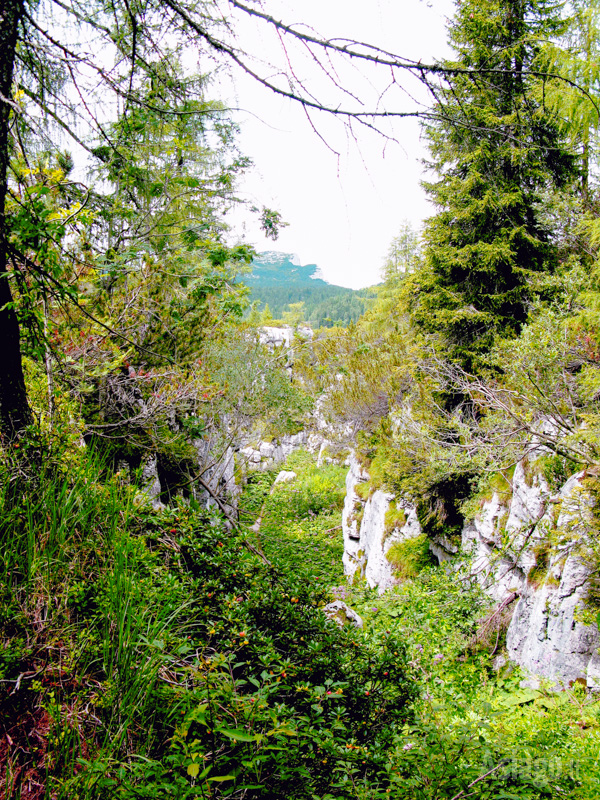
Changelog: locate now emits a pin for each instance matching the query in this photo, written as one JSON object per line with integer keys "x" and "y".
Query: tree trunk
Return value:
{"x": 15, "y": 413}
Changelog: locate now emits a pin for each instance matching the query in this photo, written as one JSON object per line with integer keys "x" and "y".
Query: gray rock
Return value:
{"x": 341, "y": 613}
{"x": 366, "y": 539}
{"x": 353, "y": 558}
{"x": 285, "y": 476}
{"x": 266, "y": 450}
{"x": 151, "y": 487}
{"x": 274, "y": 337}
{"x": 593, "y": 673}
{"x": 499, "y": 662}
{"x": 546, "y": 635}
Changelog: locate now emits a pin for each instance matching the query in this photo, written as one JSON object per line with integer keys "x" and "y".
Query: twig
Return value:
{"x": 480, "y": 778}
{"x": 249, "y": 546}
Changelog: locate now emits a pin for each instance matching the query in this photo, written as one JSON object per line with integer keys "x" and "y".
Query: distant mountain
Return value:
{"x": 278, "y": 280}
{"x": 277, "y": 269}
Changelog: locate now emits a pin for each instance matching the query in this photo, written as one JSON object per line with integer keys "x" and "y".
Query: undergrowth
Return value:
{"x": 474, "y": 731}
{"x": 478, "y": 731}
{"x": 152, "y": 654}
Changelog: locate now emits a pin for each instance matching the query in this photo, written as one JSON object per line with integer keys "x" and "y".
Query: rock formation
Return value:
{"x": 525, "y": 544}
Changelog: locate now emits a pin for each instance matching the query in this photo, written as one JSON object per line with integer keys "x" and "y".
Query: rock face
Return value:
{"x": 523, "y": 543}
{"x": 275, "y": 338}
{"x": 547, "y": 635}
{"x": 219, "y": 478}
{"x": 367, "y": 536}
{"x": 265, "y": 455}
{"x": 151, "y": 488}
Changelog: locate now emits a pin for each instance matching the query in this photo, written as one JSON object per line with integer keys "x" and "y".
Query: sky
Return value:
{"x": 342, "y": 208}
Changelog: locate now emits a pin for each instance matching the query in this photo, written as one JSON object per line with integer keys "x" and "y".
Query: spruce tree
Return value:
{"x": 496, "y": 150}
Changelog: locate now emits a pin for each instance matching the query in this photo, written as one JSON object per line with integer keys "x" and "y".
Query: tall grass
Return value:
{"x": 82, "y": 640}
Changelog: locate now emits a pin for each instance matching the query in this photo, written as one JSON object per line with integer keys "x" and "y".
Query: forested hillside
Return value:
{"x": 277, "y": 284}
{"x": 237, "y": 561}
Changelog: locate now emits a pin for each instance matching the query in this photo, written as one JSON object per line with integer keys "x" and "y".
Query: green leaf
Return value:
{"x": 239, "y": 735}
{"x": 193, "y": 769}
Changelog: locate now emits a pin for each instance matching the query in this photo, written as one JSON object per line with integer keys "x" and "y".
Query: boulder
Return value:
{"x": 341, "y": 613}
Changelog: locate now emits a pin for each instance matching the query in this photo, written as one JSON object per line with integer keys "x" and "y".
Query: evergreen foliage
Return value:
{"x": 496, "y": 149}
{"x": 177, "y": 652}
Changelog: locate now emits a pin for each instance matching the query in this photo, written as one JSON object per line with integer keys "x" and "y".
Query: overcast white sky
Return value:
{"x": 342, "y": 212}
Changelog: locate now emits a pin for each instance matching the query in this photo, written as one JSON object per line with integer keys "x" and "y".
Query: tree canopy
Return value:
{"x": 497, "y": 151}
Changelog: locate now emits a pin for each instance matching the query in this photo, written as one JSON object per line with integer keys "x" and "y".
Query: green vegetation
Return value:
{"x": 487, "y": 248}
{"x": 409, "y": 557}
{"x": 153, "y": 654}
{"x": 394, "y": 517}
{"x": 308, "y": 511}
{"x": 276, "y": 284}
{"x": 469, "y": 723}
{"x": 163, "y": 637}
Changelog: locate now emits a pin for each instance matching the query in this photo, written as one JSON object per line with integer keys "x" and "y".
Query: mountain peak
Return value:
{"x": 273, "y": 268}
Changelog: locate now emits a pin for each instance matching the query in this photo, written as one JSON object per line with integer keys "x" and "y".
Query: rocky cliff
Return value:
{"x": 529, "y": 548}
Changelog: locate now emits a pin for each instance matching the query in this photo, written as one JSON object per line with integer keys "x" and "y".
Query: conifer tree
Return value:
{"x": 496, "y": 150}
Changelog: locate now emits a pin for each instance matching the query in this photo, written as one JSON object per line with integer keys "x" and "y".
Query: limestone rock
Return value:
{"x": 342, "y": 614}
{"x": 266, "y": 450}
{"x": 273, "y": 337}
{"x": 367, "y": 539}
{"x": 525, "y": 542}
{"x": 267, "y": 454}
{"x": 151, "y": 488}
{"x": 546, "y": 635}
{"x": 351, "y": 514}
{"x": 285, "y": 476}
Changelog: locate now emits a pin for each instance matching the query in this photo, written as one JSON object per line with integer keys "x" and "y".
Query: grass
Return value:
{"x": 301, "y": 522}
{"x": 152, "y": 655}
{"x": 469, "y": 719}
{"x": 409, "y": 556}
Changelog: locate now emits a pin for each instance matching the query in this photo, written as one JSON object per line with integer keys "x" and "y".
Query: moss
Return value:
{"x": 555, "y": 469}
{"x": 501, "y": 484}
{"x": 379, "y": 468}
{"x": 409, "y": 557}
{"x": 394, "y": 518}
{"x": 529, "y": 472}
{"x": 501, "y": 528}
{"x": 364, "y": 489}
{"x": 538, "y": 574}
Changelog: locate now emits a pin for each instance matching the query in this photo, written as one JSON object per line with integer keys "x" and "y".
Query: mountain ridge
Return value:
{"x": 278, "y": 280}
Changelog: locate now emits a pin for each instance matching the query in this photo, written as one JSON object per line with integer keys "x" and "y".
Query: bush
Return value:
{"x": 170, "y": 661}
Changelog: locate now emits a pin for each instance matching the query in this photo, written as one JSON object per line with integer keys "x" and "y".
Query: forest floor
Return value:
{"x": 162, "y": 654}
